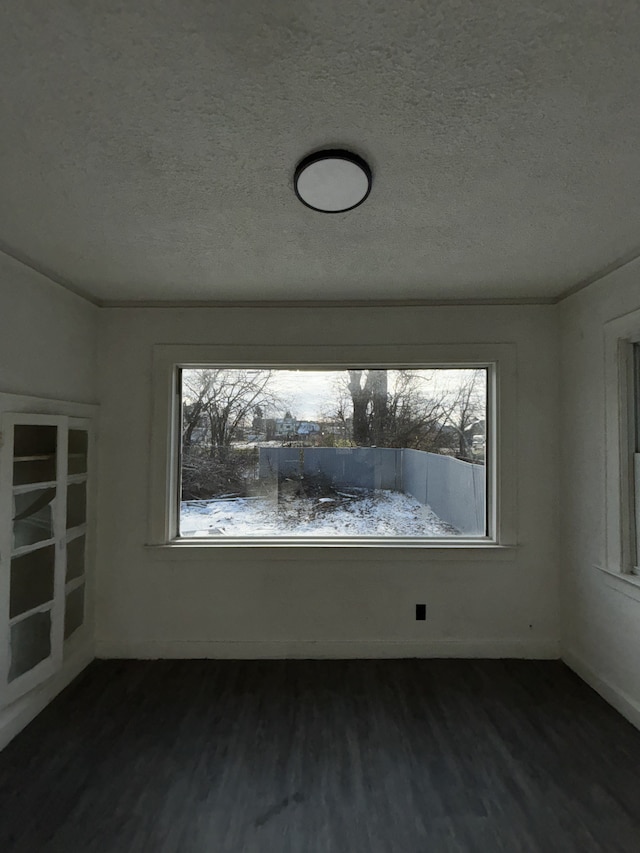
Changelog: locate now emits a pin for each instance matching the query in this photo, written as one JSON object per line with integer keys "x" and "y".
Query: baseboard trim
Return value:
{"x": 254, "y": 649}
{"x": 20, "y": 713}
{"x": 619, "y": 699}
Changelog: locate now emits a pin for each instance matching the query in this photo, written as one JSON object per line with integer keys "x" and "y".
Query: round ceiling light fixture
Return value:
{"x": 332, "y": 181}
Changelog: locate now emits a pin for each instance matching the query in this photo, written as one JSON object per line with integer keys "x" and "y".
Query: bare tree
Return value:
{"x": 220, "y": 400}
{"x": 194, "y": 394}
{"x": 404, "y": 414}
{"x": 369, "y": 398}
{"x": 468, "y": 408}
{"x": 217, "y": 404}
{"x": 415, "y": 410}
{"x": 337, "y": 414}
{"x": 416, "y": 413}
{"x": 378, "y": 382}
{"x": 360, "y": 398}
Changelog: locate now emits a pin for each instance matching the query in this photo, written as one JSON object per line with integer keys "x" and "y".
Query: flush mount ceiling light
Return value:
{"x": 332, "y": 181}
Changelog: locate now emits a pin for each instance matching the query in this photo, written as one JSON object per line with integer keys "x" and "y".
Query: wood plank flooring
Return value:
{"x": 323, "y": 757}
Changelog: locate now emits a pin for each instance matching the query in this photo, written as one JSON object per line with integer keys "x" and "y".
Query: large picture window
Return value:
{"x": 333, "y": 453}
{"x": 282, "y": 446}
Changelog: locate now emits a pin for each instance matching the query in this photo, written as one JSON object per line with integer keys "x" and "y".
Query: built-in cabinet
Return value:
{"x": 44, "y": 471}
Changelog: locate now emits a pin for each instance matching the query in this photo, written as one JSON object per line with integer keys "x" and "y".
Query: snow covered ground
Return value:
{"x": 379, "y": 513}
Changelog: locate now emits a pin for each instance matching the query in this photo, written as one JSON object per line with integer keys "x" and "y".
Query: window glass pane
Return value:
{"x": 76, "y": 504}
{"x": 34, "y": 471}
{"x": 30, "y": 643}
{"x": 33, "y": 517}
{"x": 335, "y": 453}
{"x": 75, "y": 558}
{"x": 635, "y": 463}
{"x": 34, "y": 440}
{"x": 73, "y": 611}
{"x": 34, "y": 450}
{"x": 636, "y": 385}
{"x": 32, "y": 579}
{"x": 78, "y": 444}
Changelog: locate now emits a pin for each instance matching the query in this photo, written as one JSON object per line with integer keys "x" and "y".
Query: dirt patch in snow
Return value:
{"x": 298, "y": 511}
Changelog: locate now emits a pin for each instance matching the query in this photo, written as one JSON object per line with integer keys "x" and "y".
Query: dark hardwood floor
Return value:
{"x": 323, "y": 756}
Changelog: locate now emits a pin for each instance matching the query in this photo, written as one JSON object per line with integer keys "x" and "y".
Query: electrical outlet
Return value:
{"x": 421, "y": 612}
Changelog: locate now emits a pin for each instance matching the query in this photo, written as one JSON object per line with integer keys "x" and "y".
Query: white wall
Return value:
{"x": 600, "y": 614}
{"x": 346, "y": 602}
{"x": 47, "y": 360}
{"x": 322, "y": 602}
{"x": 47, "y": 337}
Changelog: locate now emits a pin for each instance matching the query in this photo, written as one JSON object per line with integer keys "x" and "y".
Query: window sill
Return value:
{"x": 622, "y": 582}
{"x": 243, "y": 550}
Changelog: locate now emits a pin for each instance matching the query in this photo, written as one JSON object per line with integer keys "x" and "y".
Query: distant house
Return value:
{"x": 291, "y": 428}
{"x": 308, "y": 428}
{"x": 285, "y": 427}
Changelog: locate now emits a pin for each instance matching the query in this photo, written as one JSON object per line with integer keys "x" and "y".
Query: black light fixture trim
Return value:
{"x": 333, "y": 154}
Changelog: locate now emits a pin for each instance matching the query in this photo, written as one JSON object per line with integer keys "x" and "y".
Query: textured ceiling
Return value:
{"x": 147, "y": 148}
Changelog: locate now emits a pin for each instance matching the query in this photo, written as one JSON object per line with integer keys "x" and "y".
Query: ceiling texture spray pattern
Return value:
{"x": 148, "y": 148}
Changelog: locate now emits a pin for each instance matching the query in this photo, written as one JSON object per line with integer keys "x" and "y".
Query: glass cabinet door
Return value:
{"x": 30, "y": 643}
{"x": 32, "y": 460}
{"x": 44, "y": 464}
{"x": 33, "y": 518}
{"x": 35, "y": 452}
{"x": 32, "y": 580}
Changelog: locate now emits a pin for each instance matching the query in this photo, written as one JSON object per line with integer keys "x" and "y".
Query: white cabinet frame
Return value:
{"x": 21, "y": 684}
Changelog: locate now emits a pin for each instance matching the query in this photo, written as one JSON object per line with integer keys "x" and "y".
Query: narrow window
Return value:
{"x": 636, "y": 450}
{"x": 358, "y": 452}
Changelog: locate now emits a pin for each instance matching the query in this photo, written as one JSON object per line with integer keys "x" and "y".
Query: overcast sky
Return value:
{"x": 311, "y": 394}
{"x": 308, "y": 394}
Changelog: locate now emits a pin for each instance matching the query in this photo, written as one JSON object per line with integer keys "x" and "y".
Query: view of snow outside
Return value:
{"x": 245, "y": 431}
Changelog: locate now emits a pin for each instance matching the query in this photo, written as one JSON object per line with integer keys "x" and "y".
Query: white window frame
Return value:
{"x": 622, "y": 545}
{"x": 500, "y": 359}
{"x": 636, "y": 450}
